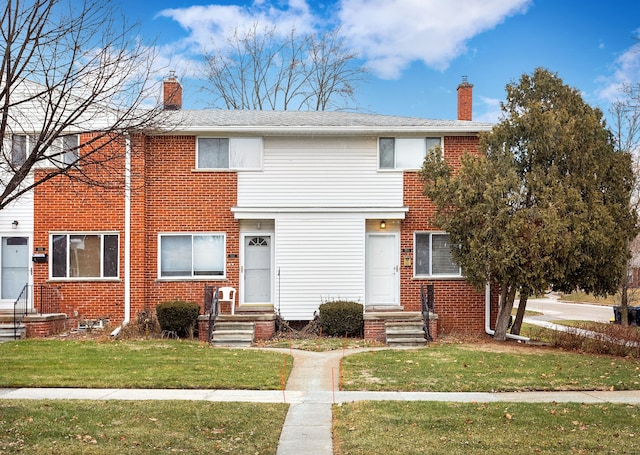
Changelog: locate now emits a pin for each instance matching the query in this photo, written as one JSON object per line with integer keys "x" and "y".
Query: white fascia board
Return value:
{"x": 324, "y": 131}
{"x": 391, "y": 213}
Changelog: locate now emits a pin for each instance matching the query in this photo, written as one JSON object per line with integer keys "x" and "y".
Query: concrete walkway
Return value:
{"x": 310, "y": 392}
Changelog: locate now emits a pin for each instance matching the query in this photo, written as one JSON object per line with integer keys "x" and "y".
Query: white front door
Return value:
{"x": 14, "y": 270}
{"x": 257, "y": 269}
{"x": 382, "y": 277}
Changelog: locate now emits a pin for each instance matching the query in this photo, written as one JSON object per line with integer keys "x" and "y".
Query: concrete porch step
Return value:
{"x": 405, "y": 333}
{"x": 10, "y": 332}
{"x": 233, "y": 333}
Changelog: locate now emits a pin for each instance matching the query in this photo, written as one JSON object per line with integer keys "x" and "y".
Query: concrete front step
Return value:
{"x": 10, "y": 332}
{"x": 233, "y": 333}
{"x": 404, "y": 333}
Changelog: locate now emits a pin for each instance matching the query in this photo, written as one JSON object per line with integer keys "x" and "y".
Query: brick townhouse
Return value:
{"x": 291, "y": 209}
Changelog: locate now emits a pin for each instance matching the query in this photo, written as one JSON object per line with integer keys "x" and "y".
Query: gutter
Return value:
{"x": 487, "y": 317}
{"x": 127, "y": 238}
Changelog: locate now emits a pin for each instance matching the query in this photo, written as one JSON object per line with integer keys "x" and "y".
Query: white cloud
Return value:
{"x": 492, "y": 110}
{"x": 626, "y": 70}
{"x": 210, "y": 25}
{"x": 390, "y": 34}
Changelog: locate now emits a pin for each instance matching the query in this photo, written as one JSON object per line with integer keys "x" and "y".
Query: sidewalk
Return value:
{"x": 310, "y": 392}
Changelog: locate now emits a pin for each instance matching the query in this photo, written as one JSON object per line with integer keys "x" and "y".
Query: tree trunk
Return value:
{"x": 507, "y": 296}
{"x": 522, "y": 306}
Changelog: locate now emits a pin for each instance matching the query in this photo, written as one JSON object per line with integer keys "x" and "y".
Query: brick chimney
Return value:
{"x": 172, "y": 93}
{"x": 465, "y": 100}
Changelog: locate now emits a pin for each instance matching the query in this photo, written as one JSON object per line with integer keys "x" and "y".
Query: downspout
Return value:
{"x": 127, "y": 237}
{"x": 487, "y": 317}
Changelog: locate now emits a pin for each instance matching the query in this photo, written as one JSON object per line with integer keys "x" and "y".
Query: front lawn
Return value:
{"x": 434, "y": 428}
{"x": 487, "y": 367}
{"x": 167, "y": 364}
{"x": 68, "y": 427}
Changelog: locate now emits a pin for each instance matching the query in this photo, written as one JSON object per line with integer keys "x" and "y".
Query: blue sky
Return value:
{"x": 418, "y": 50}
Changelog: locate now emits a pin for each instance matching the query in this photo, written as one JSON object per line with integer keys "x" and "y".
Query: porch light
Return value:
{"x": 14, "y": 225}
{"x": 383, "y": 224}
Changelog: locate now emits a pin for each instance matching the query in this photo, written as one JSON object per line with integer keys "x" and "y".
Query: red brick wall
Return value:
{"x": 179, "y": 199}
{"x": 460, "y": 308}
{"x": 65, "y": 205}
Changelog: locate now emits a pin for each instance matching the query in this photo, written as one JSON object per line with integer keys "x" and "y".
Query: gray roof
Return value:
{"x": 316, "y": 122}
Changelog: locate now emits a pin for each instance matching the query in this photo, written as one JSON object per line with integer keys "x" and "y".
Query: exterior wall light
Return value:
{"x": 383, "y": 224}
{"x": 14, "y": 225}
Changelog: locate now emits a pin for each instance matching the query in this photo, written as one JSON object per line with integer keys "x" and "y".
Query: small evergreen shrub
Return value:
{"x": 340, "y": 318}
{"x": 178, "y": 316}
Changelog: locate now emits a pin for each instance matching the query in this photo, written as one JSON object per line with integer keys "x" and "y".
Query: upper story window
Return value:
{"x": 18, "y": 150}
{"x": 241, "y": 153}
{"x": 194, "y": 256}
{"x": 65, "y": 150}
{"x": 62, "y": 152}
{"x": 84, "y": 256}
{"x": 433, "y": 255}
{"x": 404, "y": 153}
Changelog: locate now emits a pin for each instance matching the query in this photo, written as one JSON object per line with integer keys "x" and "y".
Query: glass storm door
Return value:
{"x": 257, "y": 269}
{"x": 15, "y": 266}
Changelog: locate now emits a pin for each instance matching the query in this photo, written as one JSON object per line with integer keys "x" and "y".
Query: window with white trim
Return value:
{"x": 404, "y": 153}
{"x": 63, "y": 151}
{"x": 84, "y": 255}
{"x": 241, "y": 153}
{"x": 192, "y": 256}
{"x": 18, "y": 149}
{"x": 433, "y": 257}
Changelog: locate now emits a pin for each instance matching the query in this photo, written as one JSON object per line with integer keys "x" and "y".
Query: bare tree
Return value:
{"x": 260, "y": 70}
{"x": 625, "y": 126}
{"x": 67, "y": 68}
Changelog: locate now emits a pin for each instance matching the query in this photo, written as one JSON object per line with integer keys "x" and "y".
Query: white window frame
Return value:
{"x": 60, "y": 160}
{"x": 68, "y": 269}
{"x": 240, "y": 150}
{"x": 409, "y": 145}
{"x": 192, "y": 275}
{"x": 430, "y": 273}
{"x": 62, "y": 154}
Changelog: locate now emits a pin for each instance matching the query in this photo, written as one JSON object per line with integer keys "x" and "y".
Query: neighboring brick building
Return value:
{"x": 289, "y": 208}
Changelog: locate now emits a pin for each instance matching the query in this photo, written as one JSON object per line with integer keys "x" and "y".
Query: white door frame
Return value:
{"x": 243, "y": 237}
{"x": 394, "y": 268}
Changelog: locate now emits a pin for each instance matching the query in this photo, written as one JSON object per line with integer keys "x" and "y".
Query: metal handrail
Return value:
{"x": 427, "y": 306}
{"x": 211, "y": 306}
{"x": 18, "y": 315}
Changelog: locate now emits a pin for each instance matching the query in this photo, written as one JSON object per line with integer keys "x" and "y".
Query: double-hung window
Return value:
{"x": 64, "y": 151}
{"x": 404, "y": 153}
{"x": 18, "y": 150}
{"x": 433, "y": 255}
{"x": 84, "y": 255}
{"x": 191, "y": 256}
{"x": 242, "y": 153}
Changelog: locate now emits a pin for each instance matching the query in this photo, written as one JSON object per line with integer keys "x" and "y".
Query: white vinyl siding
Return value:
{"x": 319, "y": 257}
{"x": 320, "y": 172}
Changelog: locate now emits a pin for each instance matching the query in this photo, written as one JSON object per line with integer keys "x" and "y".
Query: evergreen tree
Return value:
{"x": 546, "y": 202}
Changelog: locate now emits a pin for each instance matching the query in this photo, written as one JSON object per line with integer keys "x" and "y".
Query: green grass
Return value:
{"x": 321, "y": 343}
{"x": 167, "y": 364}
{"x": 140, "y": 427}
{"x": 583, "y": 297}
{"x": 485, "y": 368}
{"x": 406, "y": 428}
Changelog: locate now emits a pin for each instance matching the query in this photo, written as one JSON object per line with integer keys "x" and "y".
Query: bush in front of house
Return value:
{"x": 340, "y": 318}
{"x": 178, "y": 316}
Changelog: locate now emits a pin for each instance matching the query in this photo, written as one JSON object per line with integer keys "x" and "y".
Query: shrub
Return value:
{"x": 341, "y": 318}
{"x": 178, "y": 316}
